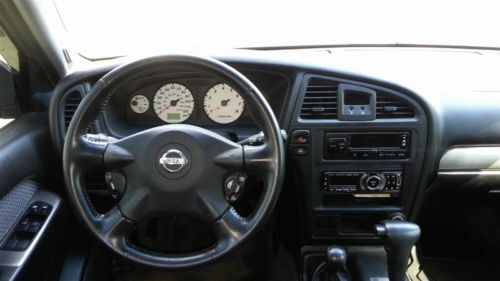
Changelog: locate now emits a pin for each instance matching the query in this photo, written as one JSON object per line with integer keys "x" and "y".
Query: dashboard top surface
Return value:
{"x": 444, "y": 81}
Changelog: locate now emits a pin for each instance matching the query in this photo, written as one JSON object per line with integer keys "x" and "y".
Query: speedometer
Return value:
{"x": 223, "y": 104}
{"x": 173, "y": 103}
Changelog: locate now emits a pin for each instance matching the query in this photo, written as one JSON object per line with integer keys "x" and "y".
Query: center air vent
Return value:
{"x": 72, "y": 99}
{"x": 392, "y": 107}
{"x": 320, "y": 100}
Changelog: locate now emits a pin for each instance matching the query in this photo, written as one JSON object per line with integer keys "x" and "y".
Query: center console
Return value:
{"x": 356, "y": 150}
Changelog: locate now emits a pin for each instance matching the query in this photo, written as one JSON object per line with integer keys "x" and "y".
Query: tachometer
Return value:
{"x": 139, "y": 104}
{"x": 173, "y": 103}
{"x": 223, "y": 104}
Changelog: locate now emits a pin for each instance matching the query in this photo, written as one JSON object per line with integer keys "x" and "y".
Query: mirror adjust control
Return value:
{"x": 234, "y": 186}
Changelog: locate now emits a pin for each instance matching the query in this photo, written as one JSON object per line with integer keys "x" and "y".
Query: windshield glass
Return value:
{"x": 118, "y": 27}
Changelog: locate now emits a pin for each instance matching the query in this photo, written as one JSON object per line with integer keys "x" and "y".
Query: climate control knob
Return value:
{"x": 373, "y": 182}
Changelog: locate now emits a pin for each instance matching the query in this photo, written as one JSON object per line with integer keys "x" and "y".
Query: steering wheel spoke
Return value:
{"x": 230, "y": 227}
{"x": 258, "y": 159}
{"x": 88, "y": 152}
{"x": 114, "y": 227}
{"x": 116, "y": 156}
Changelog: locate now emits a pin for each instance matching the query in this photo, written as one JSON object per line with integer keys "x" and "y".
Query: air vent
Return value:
{"x": 72, "y": 100}
{"x": 320, "y": 100}
{"x": 391, "y": 107}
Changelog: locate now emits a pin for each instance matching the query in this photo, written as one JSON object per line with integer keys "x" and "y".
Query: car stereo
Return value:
{"x": 361, "y": 182}
{"x": 363, "y": 146}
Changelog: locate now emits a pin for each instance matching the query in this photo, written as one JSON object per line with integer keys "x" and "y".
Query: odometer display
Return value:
{"x": 223, "y": 104}
{"x": 173, "y": 103}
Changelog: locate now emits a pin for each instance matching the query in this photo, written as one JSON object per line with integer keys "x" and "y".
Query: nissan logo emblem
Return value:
{"x": 173, "y": 160}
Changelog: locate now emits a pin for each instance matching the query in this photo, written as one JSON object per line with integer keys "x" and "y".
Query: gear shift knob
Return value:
{"x": 336, "y": 259}
{"x": 399, "y": 238}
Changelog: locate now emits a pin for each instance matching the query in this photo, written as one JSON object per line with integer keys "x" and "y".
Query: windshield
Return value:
{"x": 116, "y": 27}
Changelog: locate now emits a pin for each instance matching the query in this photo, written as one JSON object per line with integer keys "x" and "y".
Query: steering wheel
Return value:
{"x": 172, "y": 169}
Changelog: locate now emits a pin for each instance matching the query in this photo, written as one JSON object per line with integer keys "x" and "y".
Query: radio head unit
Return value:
{"x": 361, "y": 182}
{"x": 359, "y": 146}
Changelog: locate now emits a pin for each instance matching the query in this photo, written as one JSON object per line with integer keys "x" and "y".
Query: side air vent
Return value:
{"x": 71, "y": 101}
{"x": 320, "y": 100}
{"x": 391, "y": 107}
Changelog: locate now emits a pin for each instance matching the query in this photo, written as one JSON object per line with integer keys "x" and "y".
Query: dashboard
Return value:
{"x": 369, "y": 129}
{"x": 191, "y": 98}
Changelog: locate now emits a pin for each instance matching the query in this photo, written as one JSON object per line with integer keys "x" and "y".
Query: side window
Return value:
{"x": 8, "y": 57}
{"x": 8, "y": 51}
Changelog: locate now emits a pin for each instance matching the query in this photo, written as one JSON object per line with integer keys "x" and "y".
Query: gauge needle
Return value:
{"x": 164, "y": 109}
{"x": 224, "y": 102}
{"x": 174, "y": 102}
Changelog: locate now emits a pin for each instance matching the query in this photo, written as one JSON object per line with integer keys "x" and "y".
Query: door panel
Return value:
{"x": 25, "y": 150}
{"x": 28, "y": 235}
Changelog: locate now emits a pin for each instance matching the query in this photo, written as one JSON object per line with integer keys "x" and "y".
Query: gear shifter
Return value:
{"x": 399, "y": 238}
{"x": 336, "y": 260}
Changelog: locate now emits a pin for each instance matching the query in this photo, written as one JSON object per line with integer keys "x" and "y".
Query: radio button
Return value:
{"x": 373, "y": 182}
{"x": 337, "y": 145}
{"x": 401, "y": 154}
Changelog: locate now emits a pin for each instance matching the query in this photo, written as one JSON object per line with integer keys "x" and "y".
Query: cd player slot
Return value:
{"x": 366, "y": 146}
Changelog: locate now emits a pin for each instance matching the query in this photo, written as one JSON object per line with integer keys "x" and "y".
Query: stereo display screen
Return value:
{"x": 376, "y": 140}
{"x": 340, "y": 180}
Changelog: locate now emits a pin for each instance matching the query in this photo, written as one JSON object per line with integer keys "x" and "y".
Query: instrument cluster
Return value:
{"x": 174, "y": 102}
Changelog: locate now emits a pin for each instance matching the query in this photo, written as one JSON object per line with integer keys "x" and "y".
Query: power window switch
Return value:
{"x": 10, "y": 244}
{"x": 44, "y": 209}
{"x": 22, "y": 244}
{"x": 34, "y": 226}
{"x": 34, "y": 208}
{"x": 24, "y": 224}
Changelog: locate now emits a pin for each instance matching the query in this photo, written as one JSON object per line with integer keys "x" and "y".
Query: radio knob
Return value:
{"x": 374, "y": 182}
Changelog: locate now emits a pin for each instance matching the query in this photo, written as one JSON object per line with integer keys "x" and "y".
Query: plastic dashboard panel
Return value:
{"x": 457, "y": 114}
{"x": 313, "y": 164}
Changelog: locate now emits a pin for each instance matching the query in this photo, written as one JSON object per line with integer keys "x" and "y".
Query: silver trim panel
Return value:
{"x": 472, "y": 158}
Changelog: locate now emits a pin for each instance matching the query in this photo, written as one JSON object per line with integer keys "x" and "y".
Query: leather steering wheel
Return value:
{"x": 195, "y": 189}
